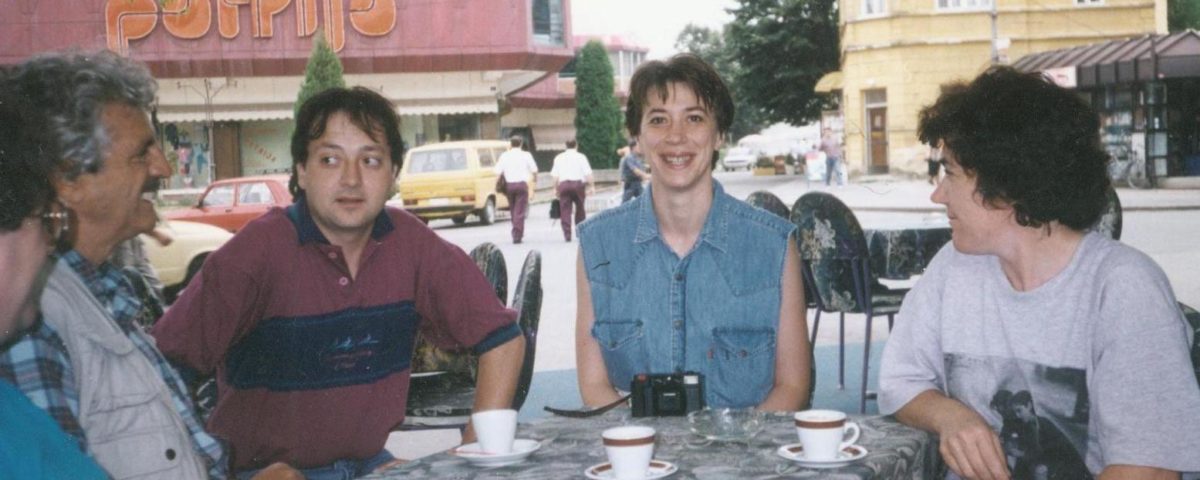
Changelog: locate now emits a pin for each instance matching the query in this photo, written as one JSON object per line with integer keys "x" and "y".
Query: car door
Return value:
{"x": 216, "y": 207}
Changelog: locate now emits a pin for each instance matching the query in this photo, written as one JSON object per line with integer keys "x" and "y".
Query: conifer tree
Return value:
{"x": 597, "y": 113}
{"x": 324, "y": 71}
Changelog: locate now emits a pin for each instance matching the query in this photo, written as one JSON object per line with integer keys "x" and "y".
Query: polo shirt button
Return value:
{"x": 343, "y": 281}
{"x": 170, "y": 454}
{"x": 333, "y": 255}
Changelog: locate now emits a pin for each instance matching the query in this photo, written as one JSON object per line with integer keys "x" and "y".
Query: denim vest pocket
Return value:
{"x": 623, "y": 347}
{"x": 743, "y": 366}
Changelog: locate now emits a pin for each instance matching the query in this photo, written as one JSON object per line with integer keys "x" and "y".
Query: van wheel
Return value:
{"x": 459, "y": 220}
{"x": 488, "y": 215}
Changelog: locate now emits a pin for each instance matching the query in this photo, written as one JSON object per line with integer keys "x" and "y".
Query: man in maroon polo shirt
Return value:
{"x": 308, "y": 315}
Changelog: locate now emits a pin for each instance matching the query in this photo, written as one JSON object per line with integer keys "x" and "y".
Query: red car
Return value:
{"x": 233, "y": 202}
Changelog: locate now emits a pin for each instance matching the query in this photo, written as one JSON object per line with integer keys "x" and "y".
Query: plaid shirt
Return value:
{"x": 39, "y": 363}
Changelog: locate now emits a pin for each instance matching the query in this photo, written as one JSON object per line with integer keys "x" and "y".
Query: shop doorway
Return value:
{"x": 876, "y": 120}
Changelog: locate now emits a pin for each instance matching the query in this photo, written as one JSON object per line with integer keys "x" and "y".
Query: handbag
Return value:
{"x": 554, "y": 209}
{"x": 501, "y": 185}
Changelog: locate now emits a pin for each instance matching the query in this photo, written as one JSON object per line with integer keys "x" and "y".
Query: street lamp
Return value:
{"x": 210, "y": 92}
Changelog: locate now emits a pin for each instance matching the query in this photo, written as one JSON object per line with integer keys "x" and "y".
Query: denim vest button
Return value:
{"x": 742, "y": 353}
{"x": 678, "y": 324}
{"x": 678, "y": 277}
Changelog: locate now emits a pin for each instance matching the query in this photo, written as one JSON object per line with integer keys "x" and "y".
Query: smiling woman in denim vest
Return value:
{"x": 686, "y": 277}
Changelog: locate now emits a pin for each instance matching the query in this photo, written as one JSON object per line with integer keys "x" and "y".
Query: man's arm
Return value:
{"x": 38, "y": 366}
{"x": 496, "y": 382}
{"x": 792, "y": 349}
{"x": 969, "y": 446}
{"x": 1132, "y": 472}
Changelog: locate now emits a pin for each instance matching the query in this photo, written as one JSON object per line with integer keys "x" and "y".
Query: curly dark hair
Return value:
{"x": 1029, "y": 144}
{"x": 29, "y": 160}
{"x": 685, "y": 68}
{"x": 367, "y": 109}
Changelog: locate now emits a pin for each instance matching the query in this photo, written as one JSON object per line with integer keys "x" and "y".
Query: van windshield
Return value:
{"x": 444, "y": 160}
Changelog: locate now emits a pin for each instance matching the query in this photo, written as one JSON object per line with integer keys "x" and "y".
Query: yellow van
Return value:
{"x": 452, "y": 180}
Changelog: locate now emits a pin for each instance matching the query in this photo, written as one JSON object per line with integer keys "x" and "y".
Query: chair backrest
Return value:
{"x": 1193, "y": 319}
{"x": 769, "y": 202}
{"x": 490, "y": 261}
{"x": 527, "y": 301}
{"x": 833, "y": 248}
{"x": 1110, "y": 220}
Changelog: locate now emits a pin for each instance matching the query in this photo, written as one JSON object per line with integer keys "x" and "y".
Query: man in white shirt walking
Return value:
{"x": 570, "y": 170}
{"x": 518, "y": 168}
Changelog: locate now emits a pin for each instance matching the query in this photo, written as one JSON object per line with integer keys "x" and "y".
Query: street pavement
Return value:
{"x": 1165, "y": 224}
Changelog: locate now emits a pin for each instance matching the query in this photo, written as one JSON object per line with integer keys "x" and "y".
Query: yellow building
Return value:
{"x": 896, "y": 55}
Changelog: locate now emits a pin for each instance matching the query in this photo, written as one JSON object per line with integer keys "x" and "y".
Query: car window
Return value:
{"x": 485, "y": 157}
{"x": 219, "y": 196}
{"x": 444, "y": 160}
{"x": 257, "y": 193}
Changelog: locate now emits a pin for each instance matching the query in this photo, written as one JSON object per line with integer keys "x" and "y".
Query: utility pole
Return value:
{"x": 209, "y": 94}
{"x": 995, "y": 51}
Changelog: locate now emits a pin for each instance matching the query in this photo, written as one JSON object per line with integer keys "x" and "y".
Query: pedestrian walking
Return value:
{"x": 832, "y": 147}
{"x": 571, "y": 169}
{"x": 633, "y": 172}
{"x": 518, "y": 168}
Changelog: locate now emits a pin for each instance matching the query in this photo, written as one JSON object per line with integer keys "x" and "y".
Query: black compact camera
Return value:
{"x": 667, "y": 394}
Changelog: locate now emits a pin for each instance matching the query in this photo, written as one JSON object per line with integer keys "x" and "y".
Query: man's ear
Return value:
{"x": 71, "y": 192}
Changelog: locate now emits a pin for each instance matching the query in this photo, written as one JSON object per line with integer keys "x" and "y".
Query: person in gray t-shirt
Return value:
{"x": 1032, "y": 348}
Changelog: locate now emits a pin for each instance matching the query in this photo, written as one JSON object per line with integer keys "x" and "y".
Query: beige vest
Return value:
{"x": 125, "y": 408}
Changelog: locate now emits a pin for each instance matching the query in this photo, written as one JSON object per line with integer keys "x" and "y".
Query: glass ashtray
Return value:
{"x": 727, "y": 424}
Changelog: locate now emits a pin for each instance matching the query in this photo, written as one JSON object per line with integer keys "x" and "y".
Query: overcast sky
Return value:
{"x": 652, "y": 23}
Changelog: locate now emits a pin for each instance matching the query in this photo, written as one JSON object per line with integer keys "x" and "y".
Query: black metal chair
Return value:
{"x": 835, "y": 260}
{"x": 1193, "y": 319}
{"x": 771, "y": 203}
{"x": 1110, "y": 220}
{"x": 442, "y": 392}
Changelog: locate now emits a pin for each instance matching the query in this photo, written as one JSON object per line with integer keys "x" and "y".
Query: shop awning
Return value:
{"x": 830, "y": 82}
{"x": 1175, "y": 55}
{"x": 552, "y": 137}
{"x": 238, "y": 113}
{"x": 448, "y": 106}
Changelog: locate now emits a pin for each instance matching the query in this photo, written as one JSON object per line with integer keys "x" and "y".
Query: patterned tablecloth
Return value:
{"x": 570, "y": 446}
{"x": 898, "y": 253}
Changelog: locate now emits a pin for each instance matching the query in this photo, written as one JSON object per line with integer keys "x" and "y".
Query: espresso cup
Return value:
{"x": 495, "y": 430}
{"x": 824, "y": 433}
{"x": 629, "y": 450}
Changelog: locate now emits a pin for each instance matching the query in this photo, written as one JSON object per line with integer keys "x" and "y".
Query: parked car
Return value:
{"x": 738, "y": 157}
{"x": 452, "y": 180}
{"x": 233, "y": 202}
{"x": 178, "y": 262}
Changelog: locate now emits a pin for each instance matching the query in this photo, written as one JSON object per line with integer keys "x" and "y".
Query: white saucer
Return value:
{"x": 475, "y": 456}
{"x": 795, "y": 453}
{"x": 658, "y": 469}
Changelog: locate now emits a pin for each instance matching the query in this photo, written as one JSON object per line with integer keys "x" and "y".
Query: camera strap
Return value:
{"x": 586, "y": 413}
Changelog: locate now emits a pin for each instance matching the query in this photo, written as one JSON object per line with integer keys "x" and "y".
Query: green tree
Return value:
{"x": 597, "y": 114}
{"x": 783, "y": 47}
{"x": 324, "y": 71}
{"x": 709, "y": 45}
{"x": 1183, "y": 14}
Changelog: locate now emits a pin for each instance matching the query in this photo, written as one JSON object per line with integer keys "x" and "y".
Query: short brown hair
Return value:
{"x": 683, "y": 68}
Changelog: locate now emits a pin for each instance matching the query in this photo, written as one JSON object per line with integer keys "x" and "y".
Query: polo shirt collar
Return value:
{"x": 306, "y": 227}
{"x": 713, "y": 233}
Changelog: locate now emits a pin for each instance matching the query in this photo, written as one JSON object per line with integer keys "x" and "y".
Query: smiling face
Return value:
{"x": 346, "y": 178}
{"x": 117, "y": 202}
{"x": 976, "y": 227}
{"x": 678, "y": 138}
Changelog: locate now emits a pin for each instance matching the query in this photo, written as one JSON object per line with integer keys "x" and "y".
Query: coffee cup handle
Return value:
{"x": 852, "y": 437}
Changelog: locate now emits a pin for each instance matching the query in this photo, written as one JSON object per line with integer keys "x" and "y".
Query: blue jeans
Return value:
{"x": 831, "y": 166}
{"x": 339, "y": 470}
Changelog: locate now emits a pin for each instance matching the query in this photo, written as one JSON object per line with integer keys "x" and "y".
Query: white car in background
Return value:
{"x": 178, "y": 262}
{"x": 737, "y": 158}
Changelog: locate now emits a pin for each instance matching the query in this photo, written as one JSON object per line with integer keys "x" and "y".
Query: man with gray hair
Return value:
{"x": 87, "y": 363}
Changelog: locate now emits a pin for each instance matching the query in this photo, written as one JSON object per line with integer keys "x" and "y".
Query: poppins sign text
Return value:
{"x": 127, "y": 20}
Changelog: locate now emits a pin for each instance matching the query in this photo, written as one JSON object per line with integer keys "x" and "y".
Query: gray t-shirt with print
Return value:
{"x": 1088, "y": 370}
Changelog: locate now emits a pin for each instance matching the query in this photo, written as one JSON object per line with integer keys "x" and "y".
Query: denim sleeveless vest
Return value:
{"x": 714, "y": 311}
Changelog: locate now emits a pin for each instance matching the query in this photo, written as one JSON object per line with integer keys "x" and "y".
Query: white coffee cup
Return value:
{"x": 824, "y": 433}
{"x": 629, "y": 450}
{"x": 495, "y": 430}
